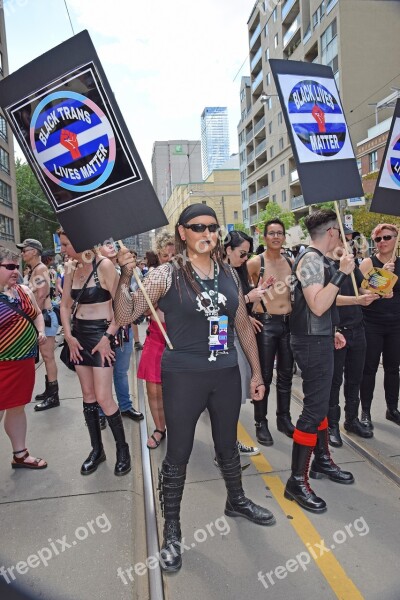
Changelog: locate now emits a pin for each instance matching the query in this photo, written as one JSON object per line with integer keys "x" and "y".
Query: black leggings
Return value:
{"x": 186, "y": 395}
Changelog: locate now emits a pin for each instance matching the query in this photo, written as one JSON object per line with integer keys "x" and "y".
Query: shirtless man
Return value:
{"x": 273, "y": 338}
{"x": 39, "y": 283}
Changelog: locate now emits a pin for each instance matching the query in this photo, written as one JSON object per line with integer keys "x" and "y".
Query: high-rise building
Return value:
{"x": 140, "y": 242}
{"x": 214, "y": 138}
{"x": 9, "y": 221}
{"x": 357, "y": 38}
{"x": 174, "y": 162}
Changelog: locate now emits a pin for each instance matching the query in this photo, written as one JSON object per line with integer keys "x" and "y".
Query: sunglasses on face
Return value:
{"x": 244, "y": 254}
{"x": 385, "y": 238}
{"x": 10, "y": 267}
{"x": 200, "y": 227}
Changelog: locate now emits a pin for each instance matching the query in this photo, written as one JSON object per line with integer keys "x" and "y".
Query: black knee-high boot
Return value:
{"x": 237, "y": 505}
{"x": 171, "y": 480}
{"x": 263, "y": 434}
{"x": 297, "y": 487}
{"x": 97, "y": 455}
{"x": 323, "y": 466}
{"x": 335, "y": 438}
{"x": 123, "y": 464}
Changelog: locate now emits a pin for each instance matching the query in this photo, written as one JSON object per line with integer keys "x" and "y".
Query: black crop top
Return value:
{"x": 93, "y": 294}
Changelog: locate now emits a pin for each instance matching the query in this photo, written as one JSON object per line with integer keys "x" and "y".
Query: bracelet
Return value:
{"x": 338, "y": 278}
{"x": 109, "y": 336}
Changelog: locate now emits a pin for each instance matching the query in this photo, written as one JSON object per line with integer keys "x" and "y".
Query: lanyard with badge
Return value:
{"x": 218, "y": 324}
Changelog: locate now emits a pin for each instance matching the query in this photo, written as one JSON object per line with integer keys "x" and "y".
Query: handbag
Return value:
{"x": 65, "y": 355}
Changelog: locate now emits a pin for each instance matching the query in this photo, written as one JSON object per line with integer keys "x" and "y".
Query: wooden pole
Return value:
{"x": 146, "y": 296}
{"x": 394, "y": 255}
{"x": 346, "y": 251}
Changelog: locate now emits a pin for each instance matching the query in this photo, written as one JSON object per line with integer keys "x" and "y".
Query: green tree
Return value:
{"x": 364, "y": 221}
{"x": 273, "y": 211}
{"x": 241, "y": 227}
{"x": 36, "y": 217}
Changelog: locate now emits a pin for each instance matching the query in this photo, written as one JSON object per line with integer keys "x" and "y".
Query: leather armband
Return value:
{"x": 338, "y": 278}
{"x": 109, "y": 336}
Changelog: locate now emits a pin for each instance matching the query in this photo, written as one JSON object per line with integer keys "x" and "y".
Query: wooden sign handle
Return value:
{"x": 395, "y": 247}
{"x": 146, "y": 296}
{"x": 346, "y": 251}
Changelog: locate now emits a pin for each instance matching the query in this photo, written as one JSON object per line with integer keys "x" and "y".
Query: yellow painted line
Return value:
{"x": 340, "y": 583}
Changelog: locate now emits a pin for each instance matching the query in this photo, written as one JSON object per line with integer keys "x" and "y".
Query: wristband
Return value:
{"x": 109, "y": 336}
{"x": 338, "y": 278}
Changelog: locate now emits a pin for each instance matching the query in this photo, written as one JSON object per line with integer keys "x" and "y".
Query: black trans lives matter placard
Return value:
{"x": 387, "y": 192}
{"x": 317, "y": 130}
{"x": 69, "y": 126}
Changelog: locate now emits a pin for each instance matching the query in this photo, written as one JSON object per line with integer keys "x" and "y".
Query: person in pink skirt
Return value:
{"x": 150, "y": 362}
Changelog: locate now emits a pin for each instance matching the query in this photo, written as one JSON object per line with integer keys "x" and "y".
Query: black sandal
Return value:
{"x": 156, "y": 441}
{"x": 19, "y": 463}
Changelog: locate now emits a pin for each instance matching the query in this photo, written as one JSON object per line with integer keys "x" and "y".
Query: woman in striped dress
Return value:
{"x": 21, "y": 329}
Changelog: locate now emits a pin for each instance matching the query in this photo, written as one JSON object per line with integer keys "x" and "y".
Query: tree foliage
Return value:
{"x": 273, "y": 211}
{"x": 365, "y": 221}
{"x": 36, "y": 217}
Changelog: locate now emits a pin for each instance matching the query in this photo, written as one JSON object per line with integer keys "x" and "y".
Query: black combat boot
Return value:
{"x": 171, "y": 480}
{"x": 298, "y": 487}
{"x": 323, "y": 466}
{"x": 334, "y": 436}
{"x": 43, "y": 396}
{"x": 97, "y": 455}
{"x": 237, "y": 505}
{"x": 352, "y": 423}
{"x": 283, "y": 419}
{"x": 263, "y": 434}
{"x": 51, "y": 399}
{"x": 123, "y": 464}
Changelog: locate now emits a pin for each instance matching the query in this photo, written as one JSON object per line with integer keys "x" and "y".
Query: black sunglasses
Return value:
{"x": 243, "y": 254}
{"x": 10, "y": 267}
{"x": 385, "y": 238}
{"x": 200, "y": 227}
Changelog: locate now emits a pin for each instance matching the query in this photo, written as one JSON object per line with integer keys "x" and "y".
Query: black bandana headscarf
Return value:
{"x": 196, "y": 210}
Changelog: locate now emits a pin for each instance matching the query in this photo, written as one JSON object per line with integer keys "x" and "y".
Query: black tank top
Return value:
{"x": 385, "y": 309}
{"x": 188, "y": 326}
{"x": 94, "y": 294}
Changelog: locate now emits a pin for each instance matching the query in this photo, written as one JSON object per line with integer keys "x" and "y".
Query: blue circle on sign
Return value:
{"x": 317, "y": 118}
{"x": 393, "y": 162}
{"x": 73, "y": 141}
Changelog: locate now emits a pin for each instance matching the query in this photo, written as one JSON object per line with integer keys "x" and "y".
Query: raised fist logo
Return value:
{"x": 69, "y": 140}
{"x": 319, "y": 116}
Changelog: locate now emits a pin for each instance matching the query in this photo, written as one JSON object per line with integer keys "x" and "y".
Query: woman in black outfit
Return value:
{"x": 196, "y": 292}
{"x": 382, "y": 330}
{"x": 90, "y": 339}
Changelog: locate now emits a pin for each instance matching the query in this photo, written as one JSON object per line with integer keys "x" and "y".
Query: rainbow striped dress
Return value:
{"x": 18, "y": 338}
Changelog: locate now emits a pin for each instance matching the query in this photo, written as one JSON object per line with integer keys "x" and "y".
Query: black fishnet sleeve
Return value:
{"x": 247, "y": 339}
{"x": 129, "y": 306}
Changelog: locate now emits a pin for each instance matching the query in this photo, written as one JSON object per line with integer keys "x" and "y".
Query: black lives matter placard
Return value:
{"x": 317, "y": 130}
{"x": 65, "y": 117}
{"x": 387, "y": 191}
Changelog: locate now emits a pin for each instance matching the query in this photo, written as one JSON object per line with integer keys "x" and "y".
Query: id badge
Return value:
{"x": 218, "y": 335}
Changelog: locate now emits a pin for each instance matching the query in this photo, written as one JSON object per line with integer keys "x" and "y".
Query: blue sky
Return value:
{"x": 165, "y": 61}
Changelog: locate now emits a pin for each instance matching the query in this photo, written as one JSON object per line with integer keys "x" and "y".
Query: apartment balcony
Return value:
{"x": 307, "y": 35}
{"x": 260, "y": 148}
{"x": 257, "y": 82}
{"x": 297, "y": 202}
{"x": 289, "y": 9}
{"x": 256, "y": 58}
{"x": 263, "y": 193}
{"x": 294, "y": 177}
{"x": 291, "y": 32}
{"x": 249, "y": 136}
{"x": 255, "y": 35}
{"x": 250, "y": 157}
{"x": 330, "y": 5}
{"x": 253, "y": 198}
{"x": 259, "y": 125}
{"x": 253, "y": 219}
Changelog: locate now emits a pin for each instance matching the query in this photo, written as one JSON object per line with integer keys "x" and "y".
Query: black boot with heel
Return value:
{"x": 323, "y": 466}
{"x": 298, "y": 487}
{"x": 123, "y": 464}
{"x": 97, "y": 455}
{"x": 263, "y": 434}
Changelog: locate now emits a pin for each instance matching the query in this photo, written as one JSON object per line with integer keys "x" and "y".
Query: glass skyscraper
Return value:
{"x": 214, "y": 138}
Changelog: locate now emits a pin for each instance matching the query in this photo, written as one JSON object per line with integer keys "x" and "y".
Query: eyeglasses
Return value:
{"x": 337, "y": 228}
{"x": 275, "y": 234}
{"x": 26, "y": 250}
{"x": 200, "y": 227}
{"x": 385, "y": 238}
{"x": 10, "y": 267}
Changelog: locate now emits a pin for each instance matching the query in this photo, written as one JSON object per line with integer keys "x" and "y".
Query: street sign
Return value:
{"x": 355, "y": 202}
{"x": 348, "y": 220}
{"x": 230, "y": 227}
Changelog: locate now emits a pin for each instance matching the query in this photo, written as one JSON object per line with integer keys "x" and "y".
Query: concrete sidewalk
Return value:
{"x": 80, "y": 528}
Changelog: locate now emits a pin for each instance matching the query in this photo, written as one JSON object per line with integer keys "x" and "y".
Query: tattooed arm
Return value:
{"x": 311, "y": 275}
